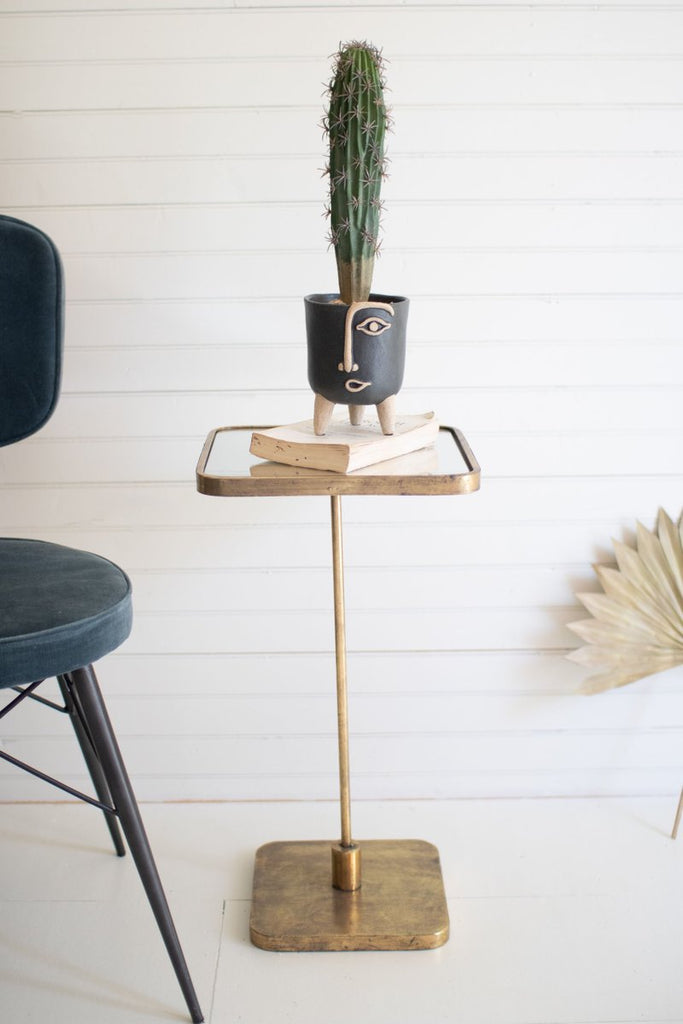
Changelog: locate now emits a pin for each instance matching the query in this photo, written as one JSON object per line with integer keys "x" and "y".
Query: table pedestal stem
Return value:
{"x": 346, "y": 855}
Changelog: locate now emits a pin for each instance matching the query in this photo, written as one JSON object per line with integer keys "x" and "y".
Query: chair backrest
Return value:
{"x": 31, "y": 328}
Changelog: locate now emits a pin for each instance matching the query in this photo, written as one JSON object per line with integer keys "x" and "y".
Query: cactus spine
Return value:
{"x": 356, "y": 124}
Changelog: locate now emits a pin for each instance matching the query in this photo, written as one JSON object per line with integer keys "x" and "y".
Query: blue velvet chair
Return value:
{"x": 62, "y": 609}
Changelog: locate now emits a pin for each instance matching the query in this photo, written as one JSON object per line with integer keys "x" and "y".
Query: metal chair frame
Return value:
{"x": 84, "y": 704}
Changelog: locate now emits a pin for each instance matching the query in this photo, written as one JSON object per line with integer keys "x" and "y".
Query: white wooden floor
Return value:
{"x": 561, "y": 911}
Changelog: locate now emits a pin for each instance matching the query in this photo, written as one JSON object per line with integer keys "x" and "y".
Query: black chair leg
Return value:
{"x": 99, "y": 727}
{"x": 72, "y": 704}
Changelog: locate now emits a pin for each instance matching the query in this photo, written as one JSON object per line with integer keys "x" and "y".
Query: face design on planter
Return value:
{"x": 372, "y": 326}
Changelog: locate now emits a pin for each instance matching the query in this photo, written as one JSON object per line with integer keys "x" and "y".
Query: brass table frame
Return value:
{"x": 380, "y": 894}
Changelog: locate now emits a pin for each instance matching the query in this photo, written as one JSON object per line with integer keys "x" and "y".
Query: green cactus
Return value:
{"x": 356, "y": 124}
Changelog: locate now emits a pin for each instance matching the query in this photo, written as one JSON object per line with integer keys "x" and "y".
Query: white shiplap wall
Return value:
{"x": 534, "y": 216}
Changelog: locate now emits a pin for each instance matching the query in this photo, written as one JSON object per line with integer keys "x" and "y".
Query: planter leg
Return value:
{"x": 386, "y": 411}
{"x": 356, "y": 414}
{"x": 322, "y": 413}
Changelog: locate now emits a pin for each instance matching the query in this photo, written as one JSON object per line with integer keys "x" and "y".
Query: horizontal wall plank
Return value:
{"x": 236, "y": 366}
{"x": 404, "y": 755}
{"x": 417, "y": 767}
{"x": 358, "y": 7}
{"x": 459, "y": 127}
{"x": 610, "y": 782}
{"x": 539, "y": 409}
{"x": 313, "y": 629}
{"x": 273, "y": 81}
{"x": 497, "y": 783}
{"x": 367, "y": 589}
{"x": 483, "y": 30}
{"x": 578, "y": 453}
{"x": 607, "y": 227}
{"x": 453, "y": 316}
{"x": 312, "y": 717}
{"x": 201, "y": 276}
{"x": 501, "y": 674}
{"x": 609, "y": 503}
{"x": 463, "y": 542}
{"x": 293, "y": 178}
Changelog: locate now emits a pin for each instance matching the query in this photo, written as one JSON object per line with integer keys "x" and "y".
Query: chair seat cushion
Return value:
{"x": 60, "y": 609}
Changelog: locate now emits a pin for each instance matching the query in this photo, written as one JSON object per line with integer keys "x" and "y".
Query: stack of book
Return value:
{"x": 344, "y": 448}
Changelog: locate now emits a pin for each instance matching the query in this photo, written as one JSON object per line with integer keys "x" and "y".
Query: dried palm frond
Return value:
{"x": 637, "y": 624}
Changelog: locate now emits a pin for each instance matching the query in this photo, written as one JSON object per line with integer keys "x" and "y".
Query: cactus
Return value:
{"x": 356, "y": 124}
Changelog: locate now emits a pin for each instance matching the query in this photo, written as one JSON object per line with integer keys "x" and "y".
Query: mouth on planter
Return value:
{"x": 354, "y": 386}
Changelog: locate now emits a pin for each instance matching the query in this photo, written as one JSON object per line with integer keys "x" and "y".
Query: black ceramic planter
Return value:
{"x": 356, "y": 355}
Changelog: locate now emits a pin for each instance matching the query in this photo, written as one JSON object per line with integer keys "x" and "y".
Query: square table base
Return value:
{"x": 401, "y": 904}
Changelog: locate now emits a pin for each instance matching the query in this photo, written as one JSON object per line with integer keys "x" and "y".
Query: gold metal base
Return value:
{"x": 401, "y": 904}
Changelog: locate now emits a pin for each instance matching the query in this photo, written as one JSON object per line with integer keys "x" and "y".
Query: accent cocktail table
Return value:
{"x": 378, "y": 894}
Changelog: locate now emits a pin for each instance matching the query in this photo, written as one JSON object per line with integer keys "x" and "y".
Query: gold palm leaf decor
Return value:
{"x": 637, "y": 625}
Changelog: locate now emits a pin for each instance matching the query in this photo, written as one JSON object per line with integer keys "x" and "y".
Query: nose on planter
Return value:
{"x": 356, "y": 355}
